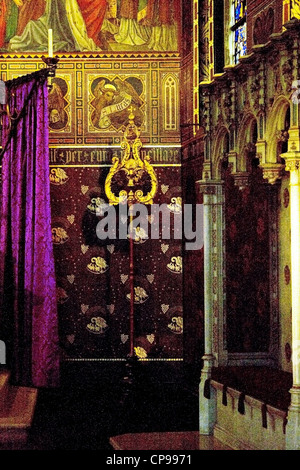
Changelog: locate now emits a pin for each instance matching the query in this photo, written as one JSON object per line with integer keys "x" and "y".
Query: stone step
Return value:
{"x": 17, "y": 414}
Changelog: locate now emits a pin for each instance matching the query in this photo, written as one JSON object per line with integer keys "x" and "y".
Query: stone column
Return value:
{"x": 213, "y": 297}
{"x": 293, "y": 426}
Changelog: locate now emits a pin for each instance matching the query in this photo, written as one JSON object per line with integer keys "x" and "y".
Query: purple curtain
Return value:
{"x": 28, "y": 315}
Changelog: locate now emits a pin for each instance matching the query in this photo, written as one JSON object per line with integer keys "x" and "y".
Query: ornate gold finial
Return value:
{"x": 131, "y": 179}
{"x": 131, "y": 115}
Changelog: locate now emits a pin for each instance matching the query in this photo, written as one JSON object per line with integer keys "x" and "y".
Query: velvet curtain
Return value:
{"x": 28, "y": 315}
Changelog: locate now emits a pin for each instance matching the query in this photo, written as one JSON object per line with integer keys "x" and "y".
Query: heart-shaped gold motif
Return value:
{"x": 111, "y": 248}
{"x": 164, "y": 188}
{"x": 84, "y": 189}
{"x": 71, "y": 218}
{"x": 84, "y": 308}
{"x": 71, "y": 278}
{"x": 165, "y": 308}
{"x": 150, "y": 278}
{"x": 71, "y": 338}
{"x": 151, "y": 218}
{"x": 124, "y": 338}
{"x": 124, "y": 278}
{"x": 84, "y": 249}
{"x": 151, "y": 338}
{"x": 110, "y": 308}
{"x": 164, "y": 248}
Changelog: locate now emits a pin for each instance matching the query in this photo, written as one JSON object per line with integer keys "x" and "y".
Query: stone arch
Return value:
{"x": 220, "y": 152}
{"x": 277, "y": 130}
{"x": 246, "y": 140}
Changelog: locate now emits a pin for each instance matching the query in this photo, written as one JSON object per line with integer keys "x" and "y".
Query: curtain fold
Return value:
{"x": 28, "y": 314}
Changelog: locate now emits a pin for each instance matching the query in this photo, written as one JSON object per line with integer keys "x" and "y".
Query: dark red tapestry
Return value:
{"x": 93, "y": 275}
{"x": 247, "y": 265}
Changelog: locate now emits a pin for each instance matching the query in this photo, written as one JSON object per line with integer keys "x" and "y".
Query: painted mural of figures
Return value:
{"x": 93, "y": 13}
{"x": 128, "y": 99}
{"x": 8, "y": 19}
{"x": 56, "y": 104}
{"x": 67, "y": 23}
{"x": 28, "y": 10}
{"x": 112, "y": 101}
{"x": 104, "y": 98}
{"x": 131, "y": 32}
{"x": 89, "y": 25}
{"x": 3, "y": 15}
{"x": 161, "y": 16}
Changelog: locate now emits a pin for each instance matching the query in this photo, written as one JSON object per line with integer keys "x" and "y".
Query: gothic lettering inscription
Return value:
{"x": 98, "y": 156}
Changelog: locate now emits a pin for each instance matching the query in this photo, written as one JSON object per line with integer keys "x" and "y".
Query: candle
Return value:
{"x": 50, "y": 43}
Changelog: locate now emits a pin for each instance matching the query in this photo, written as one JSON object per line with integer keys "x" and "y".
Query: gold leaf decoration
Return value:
{"x": 124, "y": 338}
{"x": 164, "y": 248}
{"x": 140, "y": 352}
{"x": 71, "y": 338}
{"x": 164, "y": 188}
{"x": 150, "y": 278}
{"x": 84, "y": 308}
{"x": 84, "y": 249}
{"x": 97, "y": 265}
{"x": 151, "y": 338}
{"x": 165, "y": 308}
{"x": 111, "y": 308}
{"x": 71, "y": 278}
{"x": 124, "y": 278}
{"x": 84, "y": 189}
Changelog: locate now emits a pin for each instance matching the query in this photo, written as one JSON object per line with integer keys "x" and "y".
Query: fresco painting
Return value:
{"x": 58, "y": 104}
{"x": 89, "y": 25}
{"x": 113, "y": 99}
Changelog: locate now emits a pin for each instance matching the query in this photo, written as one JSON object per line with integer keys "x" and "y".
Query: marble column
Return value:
{"x": 213, "y": 298}
{"x": 293, "y": 426}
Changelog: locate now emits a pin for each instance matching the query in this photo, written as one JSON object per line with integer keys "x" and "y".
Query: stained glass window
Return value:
{"x": 239, "y": 9}
{"x": 239, "y": 29}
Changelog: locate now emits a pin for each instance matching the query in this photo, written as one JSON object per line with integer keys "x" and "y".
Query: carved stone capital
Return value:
{"x": 272, "y": 171}
{"x": 292, "y": 161}
{"x": 213, "y": 190}
{"x": 292, "y": 165}
{"x": 241, "y": 179}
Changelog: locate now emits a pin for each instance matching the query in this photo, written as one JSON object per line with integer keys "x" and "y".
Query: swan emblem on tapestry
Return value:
{"x": 96, "y": 205}
{"x": 140, "y": 295}
{"x": 59, "y": 236}
{"x": 58, "y": 176}
{"x": 97, "y": 265}
{"x": 139, "y": 235}
{"x": 97, "y": 325}
{"x": 175, "y": 266}
{"x": 176, "y": 325}
{"x": 175, "y": 205}
{"x": 140, "y": 352}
